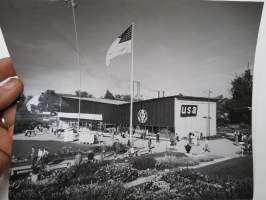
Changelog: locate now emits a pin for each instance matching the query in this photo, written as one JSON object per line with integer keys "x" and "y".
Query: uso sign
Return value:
{"x": 189, "y": 110}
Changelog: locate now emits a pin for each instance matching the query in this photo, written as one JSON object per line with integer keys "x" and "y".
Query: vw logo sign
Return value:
{"x": 142, "y": 116}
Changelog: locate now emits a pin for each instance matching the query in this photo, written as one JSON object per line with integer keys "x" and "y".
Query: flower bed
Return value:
{"x": 170, "y": 162}
{"x": 118, "y": 172}
{"x": 105, "y": 180}
{"x": 190, "y": 185}
{"x": 177, "y": 184}
{"x": 143, "y": 162}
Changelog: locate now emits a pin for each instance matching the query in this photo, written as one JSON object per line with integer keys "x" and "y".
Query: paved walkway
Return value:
{"x": 139, "y": 181}
{"x": 221, "y": 147}
{"x": 203, "y": 164}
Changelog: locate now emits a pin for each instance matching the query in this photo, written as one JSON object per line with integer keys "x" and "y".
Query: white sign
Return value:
{"x": 97, "y": 117}
{"x": 142, "y": 116}
{"x": 189, "y": 110}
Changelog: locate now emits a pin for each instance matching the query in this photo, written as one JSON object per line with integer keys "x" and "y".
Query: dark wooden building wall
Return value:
{"x": 107, "y": 110}
{"x": 160, "y": 113}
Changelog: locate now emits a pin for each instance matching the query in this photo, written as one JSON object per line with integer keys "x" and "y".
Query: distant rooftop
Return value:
{"x": 191, "y": 98}
{"x": 66, "y": 95}
{"x": 108, "y": 101}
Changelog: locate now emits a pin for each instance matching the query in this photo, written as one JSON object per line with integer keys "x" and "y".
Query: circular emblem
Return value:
{"x": 142, "y": 116}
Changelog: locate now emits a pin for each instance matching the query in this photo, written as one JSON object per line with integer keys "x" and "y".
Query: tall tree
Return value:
{"x": 108, "y": 95}
{"x": 49, "y": 101}
{"x": 21, "y": 105}
{"x": 240, "y": 104}
{"x": 83, "y": 94}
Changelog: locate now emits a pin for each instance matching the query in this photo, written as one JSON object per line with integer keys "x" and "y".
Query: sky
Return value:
{"x": 183, "y": 47}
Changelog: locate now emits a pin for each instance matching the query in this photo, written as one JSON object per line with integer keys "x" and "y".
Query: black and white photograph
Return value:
{"x": 132, "y": 100}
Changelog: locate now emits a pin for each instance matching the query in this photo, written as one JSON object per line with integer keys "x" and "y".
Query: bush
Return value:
{"x": 110, "y": 190}
{"x": 84, "y": 172}
{"x": 170, "y": 162}
{"x": 206, "y": 158}
{"x": 197, "y": 186}
{"x": 157, "y": 185}
{"x": 116, "y": 147}
{"x": 119, "y": 147}
{"x": 177, "y": 184}
{"x": 143, "y": 162}
{"x": 168, "y": 153}
{"x": 145, "y": 173}
{"x": 118, "y": 172}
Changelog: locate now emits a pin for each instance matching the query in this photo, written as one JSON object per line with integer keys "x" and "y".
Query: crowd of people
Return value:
{"x": 40, "y": 129}
{"x": 243, "y": 139}
{"x": 38, "y": 155}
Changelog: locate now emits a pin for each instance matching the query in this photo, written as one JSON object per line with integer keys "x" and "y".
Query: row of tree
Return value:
{"x": 52, "y": 102}
{"x": 238, "y": 108}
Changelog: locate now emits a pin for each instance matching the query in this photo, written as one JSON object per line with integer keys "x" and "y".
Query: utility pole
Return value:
{"x": 138, "y": 90}
{"x": 208, "y": 117}
{"x": 73, "y": 5}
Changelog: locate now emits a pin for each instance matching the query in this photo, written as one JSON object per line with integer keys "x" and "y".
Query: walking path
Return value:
{"x": 203, "y": 164}
{"x": 222, "y": 147}
{"x": 142, "y": 180}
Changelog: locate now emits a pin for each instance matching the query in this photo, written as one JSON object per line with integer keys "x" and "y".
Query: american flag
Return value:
{"x": 126, "y": 35}
{"x": 120, "y": 46}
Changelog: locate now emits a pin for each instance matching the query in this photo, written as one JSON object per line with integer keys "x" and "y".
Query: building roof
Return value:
{"x": 190, "y": 98}
{"x": 118, "y": 102}
{"x": 66, "y": 95}
{"x": 107, "y": 101}
{"x": 179, "y": 97}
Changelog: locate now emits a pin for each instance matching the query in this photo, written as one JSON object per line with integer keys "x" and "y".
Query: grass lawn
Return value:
{"x": 241, "y": 167}
{"x": 22, "y": 148}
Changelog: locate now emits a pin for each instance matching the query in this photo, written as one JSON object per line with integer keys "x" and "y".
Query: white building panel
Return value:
{"x": 86, "y": 116}
{"x": 193, "y": 117}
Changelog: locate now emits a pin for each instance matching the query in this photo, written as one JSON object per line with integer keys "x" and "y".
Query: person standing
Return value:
{"x": 177, "y": 137}
{"x": 131, "y": 151}
{"x": 190, "y": 138}
{"x": 146, "y": 133}
{"x": 33, "y": 155}
{"x": 40, "y": 154}
{"x": 149, "y": 144}
{"x": 157, "y": 137}
{"x": 236, "y": 137}
{"x": 78, "y": 158}
{"x": 206, "y": 146}
{"x": 116, "y": 148}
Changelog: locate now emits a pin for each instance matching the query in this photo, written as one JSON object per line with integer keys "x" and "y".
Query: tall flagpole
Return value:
{"x": 131, "y": 86}
{"x": 73, "y": 6}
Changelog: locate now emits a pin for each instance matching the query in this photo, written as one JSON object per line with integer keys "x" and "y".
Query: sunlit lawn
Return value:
{"x": 241, "y": 167}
